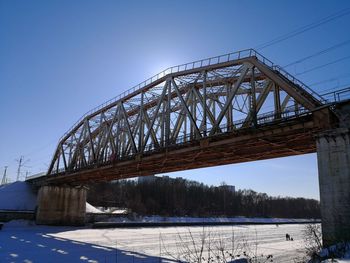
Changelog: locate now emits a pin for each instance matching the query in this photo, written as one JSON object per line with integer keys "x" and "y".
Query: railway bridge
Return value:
{"x": 234, "y": 108}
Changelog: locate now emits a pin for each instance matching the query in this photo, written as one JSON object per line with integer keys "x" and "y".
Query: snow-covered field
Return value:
{"x": 26, "y": 242}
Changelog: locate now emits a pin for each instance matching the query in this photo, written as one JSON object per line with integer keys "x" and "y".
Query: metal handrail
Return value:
{"x": 334, "y": 96}
{"x": 195, "y": 65}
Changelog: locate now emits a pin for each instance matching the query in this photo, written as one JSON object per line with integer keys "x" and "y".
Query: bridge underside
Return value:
{"x": 279, "y": 139}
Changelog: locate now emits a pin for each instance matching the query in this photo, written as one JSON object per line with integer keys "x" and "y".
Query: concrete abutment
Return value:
{"x": 333, "y": 155}
{"x": 61, "y": 205}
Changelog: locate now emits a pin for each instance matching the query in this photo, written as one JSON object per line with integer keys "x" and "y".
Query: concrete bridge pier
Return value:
{"x": 333, "y": 154}
{"x": 61, "y": 205}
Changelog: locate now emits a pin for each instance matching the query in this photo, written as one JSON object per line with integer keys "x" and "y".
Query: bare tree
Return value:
{"x": 208, "y": 246}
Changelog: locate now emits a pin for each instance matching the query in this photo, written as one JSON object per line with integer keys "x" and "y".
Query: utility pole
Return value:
{"x": 4, "y": 179}
{"x": 20, "y": 164}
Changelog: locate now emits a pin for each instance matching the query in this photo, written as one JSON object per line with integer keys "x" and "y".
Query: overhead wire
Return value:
{"x": 343, "y": 76}
{"x": 325, "y": 91}
{"x": 324, "y": 51}
{"x": 322, "y": 66}
{"x": 304, "y": 29}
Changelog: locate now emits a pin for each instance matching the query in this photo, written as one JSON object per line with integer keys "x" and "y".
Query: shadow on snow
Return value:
{"x": 37, "y": 244}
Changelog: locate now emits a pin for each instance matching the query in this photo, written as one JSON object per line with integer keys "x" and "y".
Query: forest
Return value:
{"x": 166, "y": 196}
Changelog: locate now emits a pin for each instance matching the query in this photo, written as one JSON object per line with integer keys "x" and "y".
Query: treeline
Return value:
{"x": 179, "y": 197}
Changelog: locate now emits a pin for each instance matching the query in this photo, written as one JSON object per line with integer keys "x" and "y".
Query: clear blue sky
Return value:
{"x": 58, "y": 59}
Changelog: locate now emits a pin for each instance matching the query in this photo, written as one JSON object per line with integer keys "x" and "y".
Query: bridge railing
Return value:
{"x": 337, "y": 95}
{"x": 262, "y": 119}
{"x": 290, "y": 77}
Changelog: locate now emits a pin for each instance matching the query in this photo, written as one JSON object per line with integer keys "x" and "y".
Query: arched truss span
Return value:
{"x": 189, "y": 102}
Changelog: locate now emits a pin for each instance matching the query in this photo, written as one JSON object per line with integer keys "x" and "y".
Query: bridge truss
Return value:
{"x": 181, "y": 105}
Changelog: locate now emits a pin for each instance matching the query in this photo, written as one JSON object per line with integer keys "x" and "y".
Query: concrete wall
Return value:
{"x": 333, "y": 155}
{"x": 61, "y": 205}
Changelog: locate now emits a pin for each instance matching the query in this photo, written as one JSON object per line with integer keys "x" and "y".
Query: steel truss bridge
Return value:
{"x": 228, "y": 109}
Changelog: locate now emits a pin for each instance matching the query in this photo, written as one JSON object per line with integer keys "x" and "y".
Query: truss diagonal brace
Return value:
{"x": 131, "y": 137}
{"x": 198, "y": 133}
{"x": 156, "y": 113}
{"x": 233, "y": 92}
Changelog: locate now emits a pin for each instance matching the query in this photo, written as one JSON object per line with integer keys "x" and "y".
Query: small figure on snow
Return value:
{"x": 287, "y": 237}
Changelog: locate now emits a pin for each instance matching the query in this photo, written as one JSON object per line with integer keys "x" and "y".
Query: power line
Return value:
{"x": 343, "y": 76}
{"x": 328, "y": 91}
{"x": 324, "y": 65}
{"x": 318, "y": 53}
{"x": 304, "y": 28}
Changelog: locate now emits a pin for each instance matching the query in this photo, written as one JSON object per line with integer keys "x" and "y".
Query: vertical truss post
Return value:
{"x": 70, "y": 150}
{"x": 253, "y": 97}
{"x": 162, "y": 125}
{"x": 142, "y": 123}
{"x": 185, "y": 123}
{"x": 168, "y": 113}
{"x": 277, "y": 101}
{"x": 204, "y": 103}
{"x": 117, "y": 136}
{"x": 296, "y": 107}
{"x": 229, "y": 108}
{"x": 194, "y": 116}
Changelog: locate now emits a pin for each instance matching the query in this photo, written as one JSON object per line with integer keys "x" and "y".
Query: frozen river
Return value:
{"x": 30, "y": 243}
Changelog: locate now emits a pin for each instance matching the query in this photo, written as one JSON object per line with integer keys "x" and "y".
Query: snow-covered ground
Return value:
{"x": 26, "y": 242}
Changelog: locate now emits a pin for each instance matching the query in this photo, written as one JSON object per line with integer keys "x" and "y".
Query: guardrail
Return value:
{"x": 262, "y": 119}
{"x": 338, "y": 95}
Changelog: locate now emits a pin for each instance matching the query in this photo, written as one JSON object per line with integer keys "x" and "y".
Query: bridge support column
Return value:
{"x": 333, "y": 155}
{"x": 61, "y": 205}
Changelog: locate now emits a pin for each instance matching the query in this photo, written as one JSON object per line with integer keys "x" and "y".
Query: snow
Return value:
{"x": 92, "y": 209}
{"x": 120, "y": 211}
{"x": 17, "y": 196}
{"x": 21, "y": 241}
